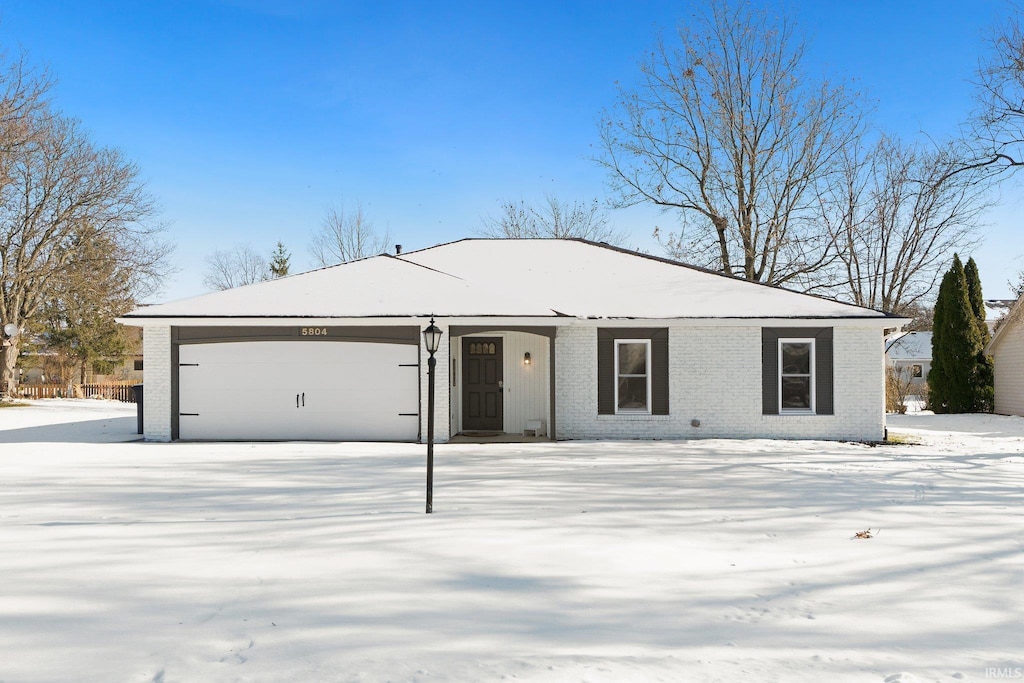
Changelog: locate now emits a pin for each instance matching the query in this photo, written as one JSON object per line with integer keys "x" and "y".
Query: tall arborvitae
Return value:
{"x": 956, "y": 343}
{"x": 984, "y": 391}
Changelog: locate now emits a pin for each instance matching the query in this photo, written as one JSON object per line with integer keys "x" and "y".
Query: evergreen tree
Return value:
{"x": 956, "y": 344}
{"x": 77, "y": 318}
{"x": 983, "y": 381}
{"x": 280, "y": 261}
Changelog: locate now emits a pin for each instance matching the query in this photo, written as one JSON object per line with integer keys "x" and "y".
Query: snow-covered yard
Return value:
{"x": 595, "y": 561}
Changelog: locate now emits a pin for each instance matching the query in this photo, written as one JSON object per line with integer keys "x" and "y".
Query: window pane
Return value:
{"x": 632, "y": 359}
{"x": 796, "y": 359}
{"x": 632, "y": 393}
{"x": 796, "y": 392}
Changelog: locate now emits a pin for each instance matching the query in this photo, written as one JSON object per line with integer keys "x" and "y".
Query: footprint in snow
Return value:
{"x": 902, "y": 677}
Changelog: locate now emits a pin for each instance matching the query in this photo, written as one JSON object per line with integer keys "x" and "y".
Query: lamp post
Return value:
{"x": 432, "y": 339}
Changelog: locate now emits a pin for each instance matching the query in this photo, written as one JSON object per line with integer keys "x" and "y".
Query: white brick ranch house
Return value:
{"x": 583, "y": 340}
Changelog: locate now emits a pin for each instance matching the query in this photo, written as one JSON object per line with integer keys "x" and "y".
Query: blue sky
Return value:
{"x": 250, "y": 117}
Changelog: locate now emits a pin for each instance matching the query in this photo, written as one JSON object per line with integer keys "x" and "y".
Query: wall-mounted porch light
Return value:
{"x": 526, "y": 358}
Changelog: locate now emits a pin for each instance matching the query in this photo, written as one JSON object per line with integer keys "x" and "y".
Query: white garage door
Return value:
{"x": 330, "y": 391}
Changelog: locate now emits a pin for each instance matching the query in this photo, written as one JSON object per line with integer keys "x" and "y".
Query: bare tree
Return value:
{"x": 346, "y": 235}
{"x": 23, "y": 93}
{"x": 553, "y": 218}
{"x": 58, "y": 192}
{"x": 728, "y": 129}
{"x": 997, "y": 126}
{"x": 897, "y": 215}
{"x": 240, "y": 266}
{"x": 1016, "y": 284}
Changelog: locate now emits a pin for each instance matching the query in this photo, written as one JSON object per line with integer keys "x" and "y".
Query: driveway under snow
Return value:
{"x": 583, "y": 561}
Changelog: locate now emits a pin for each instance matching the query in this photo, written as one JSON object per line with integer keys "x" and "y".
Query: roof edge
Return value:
{"x": 1012, "y": 316}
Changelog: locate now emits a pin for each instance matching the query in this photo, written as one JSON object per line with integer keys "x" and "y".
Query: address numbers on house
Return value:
{"x": 314, "y": 331}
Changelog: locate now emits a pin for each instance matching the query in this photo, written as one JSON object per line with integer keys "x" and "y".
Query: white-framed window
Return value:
{"x": 633, "y": 376}
{"x": 796, "y": 376}
{"x": 916, "y": 371}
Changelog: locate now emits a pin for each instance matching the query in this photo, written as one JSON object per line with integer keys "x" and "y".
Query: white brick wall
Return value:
{"x": 156, "y": 399}
{"x": 715, "y": 377}
{"x": 442, "y": 388}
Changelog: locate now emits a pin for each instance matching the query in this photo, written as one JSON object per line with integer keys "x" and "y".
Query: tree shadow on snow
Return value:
{"x": 95, "y": 431}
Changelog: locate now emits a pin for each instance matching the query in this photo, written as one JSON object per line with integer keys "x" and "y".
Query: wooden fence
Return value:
{"x": 116, "y": 392}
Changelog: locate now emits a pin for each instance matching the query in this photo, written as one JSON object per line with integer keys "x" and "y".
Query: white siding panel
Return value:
{"x": 1009, "y": 369}
{"x": 526, "y": 386}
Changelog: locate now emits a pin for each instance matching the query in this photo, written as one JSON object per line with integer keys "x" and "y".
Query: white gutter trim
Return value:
{"x": 538, "y": 321}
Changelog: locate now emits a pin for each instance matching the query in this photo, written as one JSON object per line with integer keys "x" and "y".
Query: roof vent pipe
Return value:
{"x": 398, "y": 248}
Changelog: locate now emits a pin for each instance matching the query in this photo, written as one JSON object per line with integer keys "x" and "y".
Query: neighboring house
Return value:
{"x": 575, "y": 339}
{"x": 1007, "y": 351}
{"x": 995, "y": 309}
{"x": 911, "y": 353}
{"x": 43, "y": 366}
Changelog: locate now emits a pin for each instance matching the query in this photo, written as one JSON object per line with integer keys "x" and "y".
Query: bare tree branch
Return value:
{"x": 727, "y": 130}
{"x": 897, "y": 216}
{"x": 996, "y": 128}
{"x": 553, "y": 218}
{"x": 346, "y": 235}
{"x": 235, "y": 268}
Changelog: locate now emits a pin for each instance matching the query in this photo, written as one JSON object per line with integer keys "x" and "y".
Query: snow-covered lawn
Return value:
{"x": 580, "y": 561}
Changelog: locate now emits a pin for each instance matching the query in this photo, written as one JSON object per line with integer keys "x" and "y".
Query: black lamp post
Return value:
{"x": 432, "y": 339}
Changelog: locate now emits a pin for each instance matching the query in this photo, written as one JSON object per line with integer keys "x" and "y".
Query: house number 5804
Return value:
{"x": 314, "y": 331}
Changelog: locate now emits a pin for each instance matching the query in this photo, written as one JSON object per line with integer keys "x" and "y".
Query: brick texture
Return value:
{"x": 715, "y": 377}
{"x": 442, "y": 384}
{"x": 156, "y": 402}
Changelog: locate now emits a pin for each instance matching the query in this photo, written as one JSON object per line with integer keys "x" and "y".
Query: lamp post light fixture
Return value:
{"x": 431, "y": 339}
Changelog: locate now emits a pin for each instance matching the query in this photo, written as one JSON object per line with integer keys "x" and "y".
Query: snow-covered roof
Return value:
{"x": 380, "y": 286}
{"x": 909, "y": 346}
{"x": 510, "y": 278}
{"x": 1009, "y": 326}
{"x": 997, "y": 308}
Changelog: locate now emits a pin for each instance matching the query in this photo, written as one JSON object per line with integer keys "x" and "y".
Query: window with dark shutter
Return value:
{"x": 796, "y": 370}
{"x": 632, "y": 371}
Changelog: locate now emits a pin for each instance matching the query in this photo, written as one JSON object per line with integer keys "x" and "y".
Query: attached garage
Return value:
{"x": 274, "y": 384}
{"x": 565, "y": 338}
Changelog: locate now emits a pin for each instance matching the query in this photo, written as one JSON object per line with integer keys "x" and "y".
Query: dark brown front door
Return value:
{"x": 481, "y": 384}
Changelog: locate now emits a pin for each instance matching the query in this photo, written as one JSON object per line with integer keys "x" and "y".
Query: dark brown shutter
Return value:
{"x": 659, "y": 372}
{"x": 769, "y": 371}
{"x": 606, "y": 337}
{"x": 823, "y": 382}
{"x": 605, "y": 372}
{"x": 823, "y": 389}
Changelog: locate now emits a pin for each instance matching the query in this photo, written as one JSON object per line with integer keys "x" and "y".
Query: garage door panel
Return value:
{"x": 345, "y": 391}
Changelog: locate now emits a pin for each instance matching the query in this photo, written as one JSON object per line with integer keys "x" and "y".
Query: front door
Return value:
{"x": 482, "y": 384}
